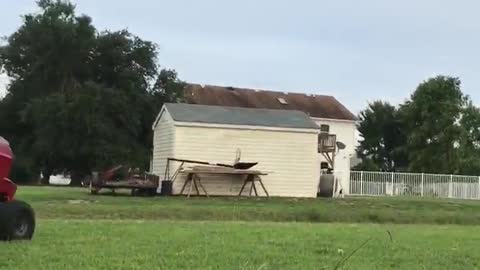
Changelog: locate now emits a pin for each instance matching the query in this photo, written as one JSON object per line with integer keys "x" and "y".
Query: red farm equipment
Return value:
{"x": 17, "y": 219}
{"x": 120, "y": 177}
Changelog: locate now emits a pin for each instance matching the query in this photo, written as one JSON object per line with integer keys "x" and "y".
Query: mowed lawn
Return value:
{"x": 62, "y": 244}
{"x": 79, "y": 231}
{"x": 77, "y": 203}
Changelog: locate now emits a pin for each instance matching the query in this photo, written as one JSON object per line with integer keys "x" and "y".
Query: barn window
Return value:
{"x": 282, "y": 100}
{"x": 324, "y": 128}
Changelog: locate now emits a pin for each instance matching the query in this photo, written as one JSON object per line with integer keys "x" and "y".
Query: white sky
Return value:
{"x": 3, "y": 84}
{"x": 357, "y": 51}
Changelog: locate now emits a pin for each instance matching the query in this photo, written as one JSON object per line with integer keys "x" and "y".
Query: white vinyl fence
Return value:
{"x": 414, "y": 184}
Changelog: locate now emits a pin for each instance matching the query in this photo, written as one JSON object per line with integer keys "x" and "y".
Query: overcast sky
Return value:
{"x": 357, "y": 51}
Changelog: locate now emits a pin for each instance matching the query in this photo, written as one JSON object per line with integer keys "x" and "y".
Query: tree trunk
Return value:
{"x": 45, "y": 179}
{"x": 76, "y": 179}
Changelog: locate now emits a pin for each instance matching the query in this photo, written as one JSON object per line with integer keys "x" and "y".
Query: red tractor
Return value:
{"x": 17, "y": 219}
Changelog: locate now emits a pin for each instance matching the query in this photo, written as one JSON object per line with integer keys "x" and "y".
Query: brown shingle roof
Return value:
{"x": 314, "y": 105}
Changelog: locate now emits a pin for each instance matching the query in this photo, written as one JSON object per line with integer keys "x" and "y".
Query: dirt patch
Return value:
{"x": 80, "y": 201}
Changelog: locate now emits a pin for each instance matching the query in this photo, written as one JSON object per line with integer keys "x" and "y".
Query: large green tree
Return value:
{"x": 49, "y": 53}
{"x": 80, "y": 99}
{"x": 437, "y": 130}
{"x": 383, "y": 135}
{"x": 469, "y": 143}
{"x": 432, "y": 118}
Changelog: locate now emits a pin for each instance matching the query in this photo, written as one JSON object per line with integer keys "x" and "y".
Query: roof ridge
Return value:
{"x": 260, "y": 90}
{"x": 314, "y": 105}
{"x": 234, "y": 107}
{"x": 227, "y": 115}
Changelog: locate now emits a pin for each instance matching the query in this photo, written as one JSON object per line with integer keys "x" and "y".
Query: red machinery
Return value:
{"x": 17, "y": 219}
{"x": 120, "y": 177}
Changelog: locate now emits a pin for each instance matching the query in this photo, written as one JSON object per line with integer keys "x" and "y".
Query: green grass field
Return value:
{"x": 79, "y": 231}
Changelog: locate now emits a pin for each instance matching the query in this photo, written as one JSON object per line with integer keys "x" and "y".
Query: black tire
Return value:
{"x": 143, "y": 192}
{"x": 17, "y": 221}
{"x": 147, "y": 192}
{"x": 152, "y": 192}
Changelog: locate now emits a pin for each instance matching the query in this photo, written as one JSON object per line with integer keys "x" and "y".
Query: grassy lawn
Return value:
{"x": 64, "y": 203}
{"x": 79, "y": 231}
{"x": 62, "y": 244}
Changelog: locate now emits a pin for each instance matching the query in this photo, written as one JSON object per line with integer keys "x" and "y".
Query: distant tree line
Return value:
{"x": 437, "y": 130}
{"x": 80, "y": 99}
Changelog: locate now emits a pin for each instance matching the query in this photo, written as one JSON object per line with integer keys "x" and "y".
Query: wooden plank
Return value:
{"x": 189, "y": 178}
{"x": 196, "y": 186}
{"x": 221, "y": 170}
{"x": 226, "y": 173}
{"x": 264, "y": 189}
{"x": 255, "y": 188}
{"x": 198, "y": 162}
{"x": 201, "y": 185}
{"x": 243, "y": 186}
{"x": 190, "y": 188}
{"x": 127, "y": 184}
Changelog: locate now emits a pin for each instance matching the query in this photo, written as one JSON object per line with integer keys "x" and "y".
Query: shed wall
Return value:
{"x": 163, "y": 144}
{"x": 290, "y": 156}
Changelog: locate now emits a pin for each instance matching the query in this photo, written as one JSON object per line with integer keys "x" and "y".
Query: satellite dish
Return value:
{"x": 340, "y": 145}
{"x": 238, "y": 156}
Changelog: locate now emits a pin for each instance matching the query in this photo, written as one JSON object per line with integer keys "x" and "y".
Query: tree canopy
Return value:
{"x": 436, "y": 130}
{"x": 80, "y": 99}
{"x": 383, "y": 135}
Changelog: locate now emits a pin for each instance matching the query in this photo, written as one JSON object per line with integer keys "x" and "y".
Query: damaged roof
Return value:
{"x": 317, "y": 106}
{"x": 193, "y": 113}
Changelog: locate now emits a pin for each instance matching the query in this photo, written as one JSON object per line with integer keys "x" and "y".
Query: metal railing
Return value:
{"x": 414, "y": 184}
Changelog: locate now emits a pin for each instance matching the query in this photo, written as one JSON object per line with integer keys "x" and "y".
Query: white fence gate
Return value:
{"x": 414, "y": 184}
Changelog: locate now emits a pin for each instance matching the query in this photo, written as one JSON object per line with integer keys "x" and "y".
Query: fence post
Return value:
{"x": 421, "y": 193}
{"x": 361, "y": 183}
{"x": 478, "y": 194}
{"x": 450, "y": 186}
{"x": 393, "y": 189}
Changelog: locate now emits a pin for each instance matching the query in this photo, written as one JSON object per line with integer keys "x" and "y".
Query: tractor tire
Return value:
{"x": 144, "y": 192}
{"x": 151, "y": 192}
{"x": 17, "y": 221}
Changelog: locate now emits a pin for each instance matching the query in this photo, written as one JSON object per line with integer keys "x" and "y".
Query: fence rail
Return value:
{"x": 414, "y": 184}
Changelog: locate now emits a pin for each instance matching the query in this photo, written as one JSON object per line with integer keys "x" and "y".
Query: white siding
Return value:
{"x": 345, "y": 131}
{"x": 163, "y": 144}
{"x": 292, "y": 157}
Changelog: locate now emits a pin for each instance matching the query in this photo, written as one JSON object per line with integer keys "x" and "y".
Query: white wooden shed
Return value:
{"x": 283, "y": 142}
